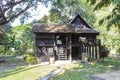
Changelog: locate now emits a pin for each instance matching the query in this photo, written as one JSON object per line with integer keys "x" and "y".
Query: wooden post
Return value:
{"x": 55, "y": 40}
{"x": 96, "y": 53}
{"x": 70, "y": 46}
{"x": 87, "y": 50}
{"x": 99, "y": 49}
{"x": 93, "y": 52}
{"x": 66, "y": 46}
{"x": 90, "y": 52}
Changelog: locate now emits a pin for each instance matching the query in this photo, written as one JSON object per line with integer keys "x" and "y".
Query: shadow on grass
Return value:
{"x": 84, "y": 70}
{"x": 15, "y": 71}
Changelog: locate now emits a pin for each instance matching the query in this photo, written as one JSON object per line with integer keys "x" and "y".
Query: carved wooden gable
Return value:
{"x": 80, "y": 25}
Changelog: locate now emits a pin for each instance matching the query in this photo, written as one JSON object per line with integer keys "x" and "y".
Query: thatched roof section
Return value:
{"x": 48, "y": 28}
{"x": 61, "y": 28}
{"x": 78, "y": 25}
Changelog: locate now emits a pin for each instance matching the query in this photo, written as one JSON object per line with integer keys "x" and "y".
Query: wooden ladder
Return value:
{"x": 62, "y": 55}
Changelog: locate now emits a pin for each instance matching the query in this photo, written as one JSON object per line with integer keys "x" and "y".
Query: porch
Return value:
{"x": 79, "y": 50}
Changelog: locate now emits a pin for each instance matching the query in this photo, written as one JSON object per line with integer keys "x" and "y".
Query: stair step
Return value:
{"x": 62, "y": 57}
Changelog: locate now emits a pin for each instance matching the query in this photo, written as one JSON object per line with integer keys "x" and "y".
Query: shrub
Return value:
{"x": 30, "y": 59}
{"x": 117, "y": 48}
{"x": 104, "y": 52}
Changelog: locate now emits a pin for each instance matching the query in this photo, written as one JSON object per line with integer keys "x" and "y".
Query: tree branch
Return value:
{"x": 2, "y": 16}
{"x": 5, "y": 19}
{"x": 17, "y": 14}
{"x": 10, "y": 4}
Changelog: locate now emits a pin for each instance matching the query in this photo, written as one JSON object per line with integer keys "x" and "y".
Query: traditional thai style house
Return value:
{"x": 67, "y": 41}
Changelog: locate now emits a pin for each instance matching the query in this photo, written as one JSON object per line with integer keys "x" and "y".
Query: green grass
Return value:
{"x": 26, "y": 72}
{"x": 22, "y": 71}
{"x": 84, "y": 70}
{"x": 71, "y": 72}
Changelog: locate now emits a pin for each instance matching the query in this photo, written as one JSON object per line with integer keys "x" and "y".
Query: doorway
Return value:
{"x": 76, "y": 53}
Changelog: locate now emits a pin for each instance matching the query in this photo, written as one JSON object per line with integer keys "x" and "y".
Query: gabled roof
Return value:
{"x": 78, "y": 25}
{"x": 54, "y": 28}
{"x": 78, "y": 20}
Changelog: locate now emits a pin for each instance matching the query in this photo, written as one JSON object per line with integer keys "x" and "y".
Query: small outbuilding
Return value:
{"x": 74, "y": 41}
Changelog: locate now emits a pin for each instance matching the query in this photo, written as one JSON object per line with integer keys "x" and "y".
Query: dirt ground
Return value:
{"x": 107, "y": 76}
{"x": 6, "y": 65}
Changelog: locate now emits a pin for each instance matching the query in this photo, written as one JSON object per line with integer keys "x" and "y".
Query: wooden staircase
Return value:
{"x": 62, "y": 55}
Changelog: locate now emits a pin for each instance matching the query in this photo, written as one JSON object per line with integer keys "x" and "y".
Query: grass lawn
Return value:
{"x": 26, "y": 72}
{"x": 16, "y": 69}
{"x": 84, "y": 70}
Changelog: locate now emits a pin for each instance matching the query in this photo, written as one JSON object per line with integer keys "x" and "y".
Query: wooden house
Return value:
{"x": 67, "y": 41}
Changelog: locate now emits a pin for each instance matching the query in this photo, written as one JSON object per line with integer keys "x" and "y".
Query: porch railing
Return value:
{"x": 91, "y": 47}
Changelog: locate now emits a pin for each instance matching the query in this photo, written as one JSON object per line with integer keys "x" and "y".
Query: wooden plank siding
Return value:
{"x": 92, "y": 49}
{"x": 75, "y": 39}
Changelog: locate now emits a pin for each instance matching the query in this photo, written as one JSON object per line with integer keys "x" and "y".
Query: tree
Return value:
{"x": 113, "y": 16}
{"x": 63, "y": 11}
{"x": 21, "y": 40}
{"x": 10, "y": 9}
{"x": 24, "y": 38}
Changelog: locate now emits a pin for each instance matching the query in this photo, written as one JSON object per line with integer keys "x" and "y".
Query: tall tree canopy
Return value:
{"x": 108, "y": 12}
{"x": 10, "y": 9}
{"x": 63, "y": 11}
{"x": 114, "y": 16}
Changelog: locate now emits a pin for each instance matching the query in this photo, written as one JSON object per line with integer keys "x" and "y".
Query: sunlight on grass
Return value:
{"x": 27, "y": 72}
{"x": 84, "y": 70}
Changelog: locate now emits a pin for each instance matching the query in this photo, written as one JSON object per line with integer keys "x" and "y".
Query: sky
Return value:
{"x": 39, "y": 13}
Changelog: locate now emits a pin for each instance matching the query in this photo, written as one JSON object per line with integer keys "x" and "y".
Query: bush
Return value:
{"x": 30, "y": 59}
{"x": 117, "y": 48}
{"x": 104, "y": 52}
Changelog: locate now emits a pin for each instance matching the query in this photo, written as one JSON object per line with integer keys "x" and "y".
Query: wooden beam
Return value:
{"x": 70, "y": 46}
{"x": 96, "y": 52}
{"x": 92, "y": 52}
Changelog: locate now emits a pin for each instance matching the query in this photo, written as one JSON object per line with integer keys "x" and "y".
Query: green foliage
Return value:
{"x": 30, "y": 59}
{"x": 64, "y": 11}
{"x": 20, "y": 41}
{"x": 2, "y": 49}
{"x": 43, "y": 20}
{"x": 109, "y": 33}
{"x": 24, "y": 37}
{"x": 117, "y": 48}
{"x": 7, "y": 28}
{"x": 114, "y": 15}
{"x": 110, "y": 37}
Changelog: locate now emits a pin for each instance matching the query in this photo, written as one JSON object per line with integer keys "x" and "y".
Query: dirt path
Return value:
{"x": 5, "y": 66}
{"x": 107, "y": 76}
{"x": 11, "y": 64}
